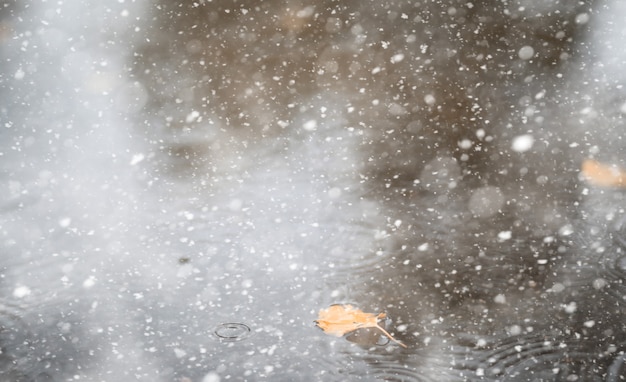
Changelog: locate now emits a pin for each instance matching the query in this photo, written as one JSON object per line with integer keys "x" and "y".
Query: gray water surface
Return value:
{"x": 186, "y": 184}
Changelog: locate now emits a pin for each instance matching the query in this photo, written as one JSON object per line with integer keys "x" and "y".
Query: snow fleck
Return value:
{"x": 557, "y": 288}
{"x": 429, "y": 99}
{"x": 526, "y": 52}
{"x": 65, "y": 222}
{"x": 566, "y": 230}
{"x": 376, "y": 70}
{"x": 89, "y": 282}
{"x": 21, "y": 292}
{"x": 305, "y": 12}
{"x": 505, "y": 235}
{"x": 465, "y": 144}
{"x": 397, "y": 58}
{"x": 500, "y": 299}
{"x": 310, "y": 125}
{"x": 19, "y": 74}
{"x": 180, "y": 353}
{"x": 582, "y": 18}
{"x": 522, "y": 143}
{"x": 137, "y": 158}
{"x": 622, "y": 108}
{"x": 599, "y": 283}
{"x": 514, "y": 330}
{"x": 192, "y": 116}
{"x": 422, "y": 247}
{"x": 590, "y": 323}
{"x": 571, "y": 307}
{"x": 397, "y": 109}
{"x": 211, "y": 377}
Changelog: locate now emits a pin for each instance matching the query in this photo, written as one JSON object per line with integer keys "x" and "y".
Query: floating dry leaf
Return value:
{"x": 339, "y": 320}
{"x": 603, "y": 175}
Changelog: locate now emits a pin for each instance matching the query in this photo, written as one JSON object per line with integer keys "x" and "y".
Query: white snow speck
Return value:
{"x": 429, "y": 99}
{"x": 505, "y": 235}
{"x": 192, "y": 116}
{"x": 599, "y": 283}
{"x": 514, "y": 330}
{"x": 211, "y": 376}
{"x": 137, "y": 158}
{"x": 590, "y": 323}
{"x": 582, "y": 18}
{"x": 305, "y": 12}
{"x": 397, "y": 58}
{"x": 465, "y": 144}
{"x": 310, "y": 125}
{"x": 500, "y": 299}
{"x": 566, "y": 230}
{"x": 21, "y": 292}
{"x": 571, "y": 307}
{"x": 91, "y": 281}
{"x": 526, "y": 52}
{"x": 522, "y": 143}
{"x": 19, "y": 74}
{"x": 65, "y": 222}
{"x": 422, "y": 247}
{"x": 180, "y": 353}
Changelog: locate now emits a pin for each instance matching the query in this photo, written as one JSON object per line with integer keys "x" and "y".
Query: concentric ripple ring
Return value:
{"x": 232, "y": 331}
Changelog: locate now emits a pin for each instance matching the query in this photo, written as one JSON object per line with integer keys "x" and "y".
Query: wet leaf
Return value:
{"x": 340, "y": 319}
{"x": 603, "y": 175}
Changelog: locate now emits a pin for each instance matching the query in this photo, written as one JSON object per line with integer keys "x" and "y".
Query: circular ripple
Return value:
{"x": 538, "y": 358}
{"x": 418, "y": 367}
{"x": 232, "y": 331}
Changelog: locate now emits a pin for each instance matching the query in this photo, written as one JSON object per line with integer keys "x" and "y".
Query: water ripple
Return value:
{"x": 538, "y": 358}
{"x": 232, "y": 331}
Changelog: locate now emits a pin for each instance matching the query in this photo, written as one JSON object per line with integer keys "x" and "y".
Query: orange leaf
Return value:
{"x": 603, "y": 175}
{"x": 338, "y": 320}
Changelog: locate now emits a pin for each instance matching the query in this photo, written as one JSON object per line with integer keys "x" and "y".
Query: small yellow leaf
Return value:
{"x": 338, "y": 320}
{"x": 603, "y": 175}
